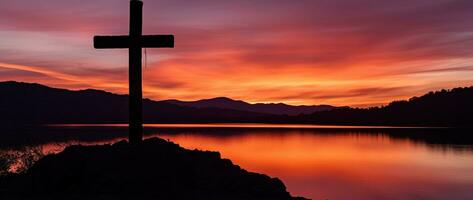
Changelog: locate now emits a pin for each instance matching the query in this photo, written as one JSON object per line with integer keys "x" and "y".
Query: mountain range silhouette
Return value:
{"x": 32, "y": 103}
{"x": 267, "y": 108}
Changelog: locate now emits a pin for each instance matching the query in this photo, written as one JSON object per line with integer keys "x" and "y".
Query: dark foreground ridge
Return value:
{"x": 155, "y": 170}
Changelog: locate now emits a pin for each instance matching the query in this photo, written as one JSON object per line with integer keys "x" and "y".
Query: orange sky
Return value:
{"x": 343, "y": 52}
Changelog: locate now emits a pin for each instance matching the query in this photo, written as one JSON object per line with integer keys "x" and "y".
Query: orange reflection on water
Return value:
{"x": 345, "y": 166}
{"x": 313, "y": 161}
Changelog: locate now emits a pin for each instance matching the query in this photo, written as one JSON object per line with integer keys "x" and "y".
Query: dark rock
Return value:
{"x": 157, "y": 169}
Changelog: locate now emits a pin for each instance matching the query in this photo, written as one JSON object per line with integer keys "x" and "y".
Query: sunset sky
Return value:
{"x": 339, "y": 52}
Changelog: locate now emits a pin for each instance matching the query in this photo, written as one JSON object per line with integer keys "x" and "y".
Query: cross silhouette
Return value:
{"x": 135, "y": 42}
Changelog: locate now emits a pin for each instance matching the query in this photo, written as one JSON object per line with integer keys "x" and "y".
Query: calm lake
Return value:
{"x": 318, "y": 162}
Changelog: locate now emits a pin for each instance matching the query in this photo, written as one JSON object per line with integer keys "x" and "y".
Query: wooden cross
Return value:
{"x": 134, "y": 42}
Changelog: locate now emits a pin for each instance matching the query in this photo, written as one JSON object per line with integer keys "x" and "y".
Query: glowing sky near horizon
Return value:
{"x": 339, "y": 52}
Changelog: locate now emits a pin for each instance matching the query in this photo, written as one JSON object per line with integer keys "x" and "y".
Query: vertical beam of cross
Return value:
{"x": 134, "y": 73}
{"x": 134, "y": 42}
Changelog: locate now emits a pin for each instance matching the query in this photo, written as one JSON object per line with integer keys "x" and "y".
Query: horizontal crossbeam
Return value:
{"x": 124, "y": 41}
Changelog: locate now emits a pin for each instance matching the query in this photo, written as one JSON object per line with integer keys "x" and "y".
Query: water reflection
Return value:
{"x": 320, "y": 163}
{"x": 347, "y": 166}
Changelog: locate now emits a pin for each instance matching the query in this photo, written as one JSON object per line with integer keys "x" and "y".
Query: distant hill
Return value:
{"x": 35, "y": 103}
{"x": 442, "y": 108}
{"x": 270, "y": 108}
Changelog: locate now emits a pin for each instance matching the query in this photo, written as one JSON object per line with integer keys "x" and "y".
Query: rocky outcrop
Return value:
{"x": 157, "y": 169}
